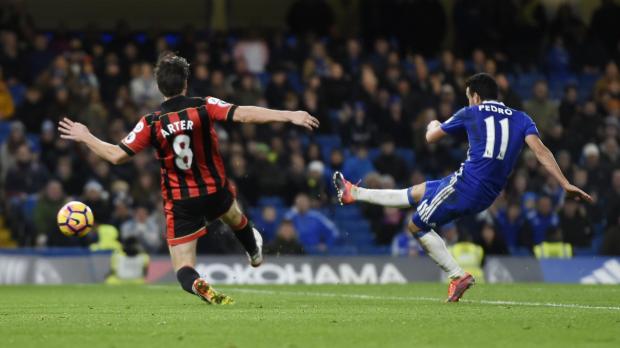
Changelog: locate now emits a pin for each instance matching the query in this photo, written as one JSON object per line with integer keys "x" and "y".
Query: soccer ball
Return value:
{"x": 75, "y": 219}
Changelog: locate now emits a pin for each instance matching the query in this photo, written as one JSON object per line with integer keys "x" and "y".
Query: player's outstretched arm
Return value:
{"x": 545, "y": 157}
{"x": 434, "y": 133}
{"x": 78, "y": 132}
{"x": 257, "y": 114}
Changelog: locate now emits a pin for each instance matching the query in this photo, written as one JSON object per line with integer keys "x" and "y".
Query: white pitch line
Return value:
{"x": 426, "y": 299}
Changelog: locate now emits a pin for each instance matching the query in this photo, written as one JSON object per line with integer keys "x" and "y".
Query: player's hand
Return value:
{"x": 304, "y": 119}
{"x": 575, "y": 192}
{"x": 433, "y": 124}
{"x": 72, "y": 130}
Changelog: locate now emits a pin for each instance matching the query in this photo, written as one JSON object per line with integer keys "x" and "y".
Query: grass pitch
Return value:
{"x": 311, "y": 316}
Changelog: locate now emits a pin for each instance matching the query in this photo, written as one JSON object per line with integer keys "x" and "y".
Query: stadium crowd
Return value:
{"x": 373, "y": 96}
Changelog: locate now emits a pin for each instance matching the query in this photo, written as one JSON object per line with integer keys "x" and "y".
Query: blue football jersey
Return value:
{"x": 496, "y": 135}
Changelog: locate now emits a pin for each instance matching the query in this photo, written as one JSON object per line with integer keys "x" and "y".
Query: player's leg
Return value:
{"x": 249, "y": 237}
{"x": 436, "y": 249}
{"x": 439, "y": 204}
{"x": 349, "y": 193}
{"x": 183, "y": 258}
{"x": 183, "y": 228}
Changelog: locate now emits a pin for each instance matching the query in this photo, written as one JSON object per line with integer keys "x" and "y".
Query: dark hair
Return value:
{"x": 171, "y": 73}
{"x": 484, "y": 85}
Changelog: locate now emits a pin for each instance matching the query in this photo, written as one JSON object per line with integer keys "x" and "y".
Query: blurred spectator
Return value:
{"x": 253, "y": 51}
{"x": 97, "y": 199}
{"x": 491, "y": 242}
{"x": 107, "y": 238}
{"x": 388, "y": 162}
{"x": 553, "y": 246}
{"x": 542, "y": 220}
{"x": 574, "y": 224}
{"x": 507, "y": 94}
{"x": 8, "y": 149}
{"x": 468, "y": 255}
{"x": 277, "y": 89}
{"x": 144, "y": 91}
{"x": 267, "y": 222}
{"x": 316, "y": 232}
{"x": 611, "y": 239}
{"x": 357, "y": 166}
{"x": 568, "y": 106}
{"x": 541, "y": 109}
{"x": 144, "y": 228}
{"x": 7, "y": 107}
{"x": 27, "y": 175}
{"x": 128, "y": 265}
{"x": 45, "y": 211}
{"x": 286, "y": 241}
{"x": 613, "y": 198}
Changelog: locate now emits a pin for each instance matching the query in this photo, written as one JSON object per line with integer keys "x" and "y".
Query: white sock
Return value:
{"x": 436, "y": 249}
{"x": 386, "y": 198}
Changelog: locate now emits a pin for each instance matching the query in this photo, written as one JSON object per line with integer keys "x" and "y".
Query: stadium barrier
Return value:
{"x": 60, "y": 266}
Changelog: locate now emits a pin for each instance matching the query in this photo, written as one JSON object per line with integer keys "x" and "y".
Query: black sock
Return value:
{"x": 186, "y": 276}
{"x": 246, "y": 236}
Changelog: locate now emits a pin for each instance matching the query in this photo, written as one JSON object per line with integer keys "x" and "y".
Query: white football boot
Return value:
{"x": 256, "y": 259}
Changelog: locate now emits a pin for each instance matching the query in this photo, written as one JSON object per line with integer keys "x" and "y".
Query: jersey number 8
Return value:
{"x": 183, "y": 152}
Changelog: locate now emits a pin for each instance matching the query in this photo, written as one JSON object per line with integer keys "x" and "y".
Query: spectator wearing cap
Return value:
{"x": 316, "y": 182}
{"x": 597, "y": 171}
{"x": 316, "y": 232}
{"x": 97, "y": 199}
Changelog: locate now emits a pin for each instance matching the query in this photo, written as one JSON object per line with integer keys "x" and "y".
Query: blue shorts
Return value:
{"x": 443, "y": 201}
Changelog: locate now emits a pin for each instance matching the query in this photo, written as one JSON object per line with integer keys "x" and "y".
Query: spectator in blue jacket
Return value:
{"x": 357, "y": 166}
{"x": 543, "y": 219}
{"x": 316, "y": 232}
{"x": 510, "y": 222}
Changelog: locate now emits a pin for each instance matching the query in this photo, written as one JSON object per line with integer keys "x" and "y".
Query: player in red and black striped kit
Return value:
{"x": 194, "y": 185}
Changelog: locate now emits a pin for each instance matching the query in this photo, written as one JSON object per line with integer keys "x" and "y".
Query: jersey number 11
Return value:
{"x": 490, "y": 145}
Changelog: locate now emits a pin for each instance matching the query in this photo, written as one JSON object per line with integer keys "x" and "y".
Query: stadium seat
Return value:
{"x": 271, "y": 200}
{"x": 347, "y": 212}
{"x": 408, "y": 155}
{"x": 5, "y": 129}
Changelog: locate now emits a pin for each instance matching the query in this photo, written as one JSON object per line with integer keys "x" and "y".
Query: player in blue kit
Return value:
{"x": 496, "y": 135}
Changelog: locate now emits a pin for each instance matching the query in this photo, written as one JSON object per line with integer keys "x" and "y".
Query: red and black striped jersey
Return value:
{"x": 186, "y": 145}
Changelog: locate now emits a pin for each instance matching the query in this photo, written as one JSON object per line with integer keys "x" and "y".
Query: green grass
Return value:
{"x": 310, "y": 316}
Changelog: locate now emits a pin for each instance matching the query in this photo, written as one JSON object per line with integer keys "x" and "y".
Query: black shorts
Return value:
{"x": 187, "y": 219}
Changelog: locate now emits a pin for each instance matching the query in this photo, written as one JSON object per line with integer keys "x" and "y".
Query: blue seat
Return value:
{"x": 347, "y": 212}
{"x": 375, "y": 250}
{"x": 342, "y": 250}
{"x": 29, "y": 205}
{"x": 373, "y": 153}
{"x": 408, "y": 155}
{"x": 274, "y": 201}
{"x": 295, "y": 82}
{"x": 263, "y": 79}
{"x": 5, "y": 129}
